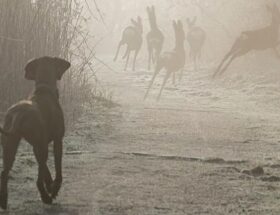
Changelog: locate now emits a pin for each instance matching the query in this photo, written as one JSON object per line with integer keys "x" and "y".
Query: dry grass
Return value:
{"x": 31, "y": 29}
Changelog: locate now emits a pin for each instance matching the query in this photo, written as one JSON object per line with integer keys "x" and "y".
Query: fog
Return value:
{"x": 171, "y": 106}
{"x": 222, "y": 20}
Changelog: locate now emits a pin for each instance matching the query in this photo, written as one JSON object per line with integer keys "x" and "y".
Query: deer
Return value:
{"x": 155, "y": 38}
{"x": 196, "y": 37}
{"x": 171, "y": 61}
{"x": 254, "y": 40}
{"x": 132, "y": 37}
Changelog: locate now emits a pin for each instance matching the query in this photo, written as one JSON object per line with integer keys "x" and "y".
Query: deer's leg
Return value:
{"x": 126, "y": 52}
{"x": 276, "y": 52}
{"x": 41, "y": 155}
{"x": 9, "y": 145}
{"x": 158, "y": 52}
{"x": 153, "y": 56}
{"x": 118, "y": 50}
{"x": 157, "y": 69}
{"x": 168, "y": 73}
{"x": 127, "y": 59}
{"x": 234, "y": 56}
{"x": 149, "y": 57}
{"x": 157, "y": 55}
{"x": 181, "y": 74}
{"x": 195, "y": 62}
{"x": 198, "y": 59}
{"x": 135, "y": 57}
{"x": 174, "y": 79}
{"x": 222, "y": 63}
{"x": 200, "y": 62}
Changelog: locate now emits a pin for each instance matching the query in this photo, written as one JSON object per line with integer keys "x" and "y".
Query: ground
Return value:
{"x": 185, "y": 154}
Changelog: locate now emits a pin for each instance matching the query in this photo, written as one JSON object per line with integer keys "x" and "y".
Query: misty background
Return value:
{"x": 209, "y": 146}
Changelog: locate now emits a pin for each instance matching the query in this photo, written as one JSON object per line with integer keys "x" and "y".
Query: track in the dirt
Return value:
{"x": 182, "y": 155}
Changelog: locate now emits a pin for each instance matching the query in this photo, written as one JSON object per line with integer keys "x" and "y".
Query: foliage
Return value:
{"x": 34, "y": 28}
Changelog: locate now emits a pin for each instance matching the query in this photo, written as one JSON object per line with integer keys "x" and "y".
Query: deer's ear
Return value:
{"x": 61, "y": 66}
{"x": 180, "y": 24}
{"x": 133, "y": 22}
{"x": 30, "y": 69}
{"x": 153, "y": 9}
{"x": 139, "y": 20}
{"x": 269, "y": 8}
{"x": 175, "y": 25}
{"x": 276, "y": 8}
{"x": 194, "y": 20}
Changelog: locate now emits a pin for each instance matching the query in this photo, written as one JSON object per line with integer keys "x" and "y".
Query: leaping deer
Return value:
{"x": 196, "y": 38}
{"x": 172, "y": 61}
{"x": 155, "y": 38}
{"x": 260, "y": 39}
{"x": 132, "y": 37}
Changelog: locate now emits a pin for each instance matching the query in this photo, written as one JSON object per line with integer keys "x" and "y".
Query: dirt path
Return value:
{"x": 182, "y": 155}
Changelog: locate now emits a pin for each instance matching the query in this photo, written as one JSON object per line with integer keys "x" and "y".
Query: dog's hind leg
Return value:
{"x": 48, "y": 180}
{"x": 9, "y": 145}
{"x": 58, "y": 151}
{"x": 41, "y": 154}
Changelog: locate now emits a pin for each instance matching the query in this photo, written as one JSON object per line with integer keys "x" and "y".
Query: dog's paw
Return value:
{"x": 46, "y": 199}
{"x": 55, "y": 189}
{"x": 3, "y": 201}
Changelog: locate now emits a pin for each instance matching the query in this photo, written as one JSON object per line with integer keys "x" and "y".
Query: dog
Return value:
{"x": 40, "y": 121}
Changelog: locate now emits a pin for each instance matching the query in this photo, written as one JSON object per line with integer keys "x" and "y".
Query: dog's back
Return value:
{"x": 42, "y": 112}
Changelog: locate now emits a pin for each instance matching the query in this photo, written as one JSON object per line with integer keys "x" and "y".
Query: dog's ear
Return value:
{"x": 30, "y": 69}
{"x": 61, "y": 66}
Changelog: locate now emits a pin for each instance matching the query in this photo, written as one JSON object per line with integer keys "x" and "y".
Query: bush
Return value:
{"x": 34, "y": 28}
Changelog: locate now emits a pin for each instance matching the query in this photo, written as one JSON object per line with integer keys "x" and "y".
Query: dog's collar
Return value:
{"x": 44, "y": 88}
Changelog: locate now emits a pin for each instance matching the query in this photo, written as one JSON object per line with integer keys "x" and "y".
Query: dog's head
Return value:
{"x": 46, "y": 70}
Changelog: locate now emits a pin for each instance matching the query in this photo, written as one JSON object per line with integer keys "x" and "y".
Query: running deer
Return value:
{"x": 172, "y": 61}
{"x": 196, "y": 37}
{"x": 155, "y": 38}
{"x": 260, "y": 39}
{"x": 132, "y": 37}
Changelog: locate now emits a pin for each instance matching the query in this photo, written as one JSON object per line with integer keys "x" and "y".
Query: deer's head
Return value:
{"x": 191, "y": 23}
{"x": 179, "y": 32}
{"x": 152, "y": 16}
{"x": 274, "y": 10}
{"x": 138, "y": 24}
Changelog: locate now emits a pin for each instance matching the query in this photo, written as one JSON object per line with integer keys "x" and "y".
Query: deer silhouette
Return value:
{"x": 196, "y": 38}
{"x": 260, "y": 39}
{"x": 132, "y": 37}
{"x": 171, "y": 61}
{"x": 155, "y": 38}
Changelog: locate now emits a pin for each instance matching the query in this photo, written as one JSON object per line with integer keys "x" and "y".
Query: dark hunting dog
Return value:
{"x": 39, "y": 121}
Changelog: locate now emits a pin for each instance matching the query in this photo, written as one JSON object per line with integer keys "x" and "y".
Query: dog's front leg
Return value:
{"x": 58, "y": 150}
